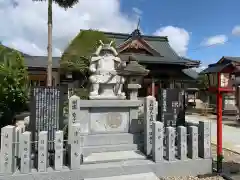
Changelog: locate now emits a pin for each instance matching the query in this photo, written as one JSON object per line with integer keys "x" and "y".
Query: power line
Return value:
{"x": 211, "y": 45}
{"x": 208, "y": 46}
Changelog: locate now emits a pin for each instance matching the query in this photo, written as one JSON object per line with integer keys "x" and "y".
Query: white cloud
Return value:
{"x": 137, "y": 11}
{"x": 236, "y": 30}
{"x": 215, "y": 40}
{"x": 200, "y": 68}
{"x": 25, "y": 25}
{"x": 178, "y": 38}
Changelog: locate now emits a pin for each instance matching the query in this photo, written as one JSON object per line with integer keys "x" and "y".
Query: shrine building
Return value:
{"x": 167, "y": 68}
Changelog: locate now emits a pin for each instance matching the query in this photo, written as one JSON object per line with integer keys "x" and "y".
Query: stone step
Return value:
{"x": 106, "y": 157}
{"x": 141, "y": 176}
{"x": 111, "y": 148}
{"x": 112, "y": 139}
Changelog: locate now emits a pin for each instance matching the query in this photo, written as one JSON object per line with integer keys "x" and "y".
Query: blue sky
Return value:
{"x": 190, "y": 25}
{"x": 203, "y": 19}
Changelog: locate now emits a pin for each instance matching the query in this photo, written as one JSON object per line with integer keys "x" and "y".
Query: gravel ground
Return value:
{"x": 193, "y": 178}
{"x": 231, "y": 167}
{"x": 231, "y": 162}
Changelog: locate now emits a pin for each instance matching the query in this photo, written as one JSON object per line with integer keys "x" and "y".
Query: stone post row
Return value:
{"x": 192, "y": 145}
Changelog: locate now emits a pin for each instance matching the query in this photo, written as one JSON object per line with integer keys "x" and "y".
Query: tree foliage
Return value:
{"x": 203, "y": 81}
{"x": 13, "y": 87}
{"x": 64, "y": 3}
{"x": 77, "y": 54}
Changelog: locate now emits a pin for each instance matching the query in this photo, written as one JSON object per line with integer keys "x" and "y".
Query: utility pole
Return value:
{"x": 49, "y": 48}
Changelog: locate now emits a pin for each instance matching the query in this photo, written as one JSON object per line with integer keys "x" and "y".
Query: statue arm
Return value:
{"x": 119, "y": 62}
{"x": 93, "y": 67}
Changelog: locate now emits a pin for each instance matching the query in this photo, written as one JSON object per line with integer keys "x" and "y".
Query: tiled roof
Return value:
{"x": 160, "y": 44}
{"x": 191, "y": 73}
{"x": 41, "y": 61}
{"x": 236, "y": 59}
{"x": 214, "y": 68}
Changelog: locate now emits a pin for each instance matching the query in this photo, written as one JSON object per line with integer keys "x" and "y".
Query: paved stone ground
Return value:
{"x": 230, "y": 132}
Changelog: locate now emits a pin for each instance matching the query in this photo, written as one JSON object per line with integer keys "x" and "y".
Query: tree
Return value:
{"x": 203, "y": 81}
{"x": 64, "y": 4}
{"x": 13, "y": 87}
{"x": 77, "y": 55}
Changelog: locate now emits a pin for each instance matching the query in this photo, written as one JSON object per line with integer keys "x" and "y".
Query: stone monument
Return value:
{"x": 133, "y": 73}
{"x": 106, "y": 83}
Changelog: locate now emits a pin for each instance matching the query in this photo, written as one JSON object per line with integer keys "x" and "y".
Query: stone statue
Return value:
{"x": 106, "y": 83}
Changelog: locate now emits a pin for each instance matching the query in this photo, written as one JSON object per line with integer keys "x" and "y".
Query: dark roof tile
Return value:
{"x": 41, "y": 61}
{"x": 160, "y": 44}
{"x": 236, "y": 59}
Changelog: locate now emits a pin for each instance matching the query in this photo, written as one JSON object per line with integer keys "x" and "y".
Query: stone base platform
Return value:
{"x": 142, "y": 176}
{"x": 123, "y": 167}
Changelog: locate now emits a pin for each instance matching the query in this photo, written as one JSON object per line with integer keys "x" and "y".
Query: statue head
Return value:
{"x": 106, "y": 50}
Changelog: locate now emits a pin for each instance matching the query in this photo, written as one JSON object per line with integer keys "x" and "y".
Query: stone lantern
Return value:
{"x": 133, "y": 72}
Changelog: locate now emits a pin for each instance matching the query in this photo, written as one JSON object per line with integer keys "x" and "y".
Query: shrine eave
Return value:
{"x": 214, "y": 68}
{"x": 160, "y": 60}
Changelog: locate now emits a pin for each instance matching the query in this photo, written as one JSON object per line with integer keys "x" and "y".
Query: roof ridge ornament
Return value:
{"x": 136, "y": 32}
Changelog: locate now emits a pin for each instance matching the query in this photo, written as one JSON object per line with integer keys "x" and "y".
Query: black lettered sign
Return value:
{"x": 46, "y": 111}
{"x": 170, "y": 106}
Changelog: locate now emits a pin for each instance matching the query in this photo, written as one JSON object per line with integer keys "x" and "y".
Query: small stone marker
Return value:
{"x": 182, "y": 142}
{"x": 158, "y": 137}
{"x": 58, "y": 163}
{"x": 16, "y": 147}
{"x": 204, "y": 140}
{"x": 75, "y": 147}
{"x": 74, "y": 112}
{"x": 170, "y": 147}
{"x": 25, "y": 152}
{"x": 7, "y": 149}
{"x": 42, "y": 151}
{"x": 193, "y": 142}
{"x": 149, "y": 118}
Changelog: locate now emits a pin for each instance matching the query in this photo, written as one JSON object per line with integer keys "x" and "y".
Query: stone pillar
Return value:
{"x": 182, "y": 142}
{"x": 42, "y": 151}
{"x": 73, "y": 112}
{"x": 58, "y": 162}
{"x": 75, "y": 147}
{"x": 170, "y": 143}
{"x": 193, "y": 142}
{"x": 149, "y": 118}
{"x": 204, "y": 140}
{"x": 25, "y": 152}
{"x": 157, "y": 145}
{"x": 7, "y": 149}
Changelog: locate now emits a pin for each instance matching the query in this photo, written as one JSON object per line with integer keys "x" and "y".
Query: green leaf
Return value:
{"x": 77, "y": 55}
{"x": 14, "y": 81}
